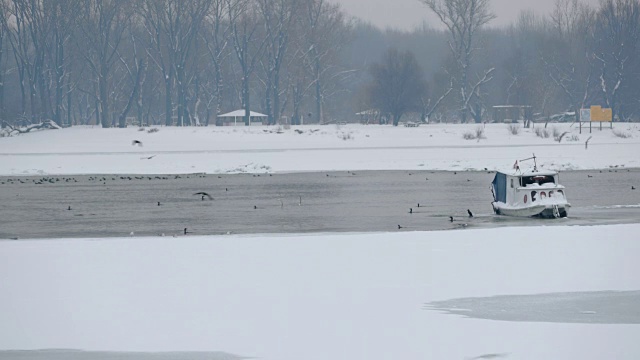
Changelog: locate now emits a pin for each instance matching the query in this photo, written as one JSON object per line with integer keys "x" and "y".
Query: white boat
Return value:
{"x": 529, "y": 193}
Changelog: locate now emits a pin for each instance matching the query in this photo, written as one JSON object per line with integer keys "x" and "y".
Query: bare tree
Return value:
{"x": 326, "y": 31}
{"x": 566, "y": 17}
{"x": 152, "y": 11}
{"x": 3, "y": 61}
{"x": 522, "y": 78}
{"x": 463, "y": 20}
{"x": 173, "y": 26}
{"x": 616, "y": 48}
{"x": 13, "y": 24}
{"x": 278, "y": 18}
{"x": 38, "y": 33}
{"x": 135, "y": 70}
{"x": 103, "y": 25}
{"x": 28, "y": 37}
{"x": 62, "y": 16}
{"x": 217, "y": 35}
{"x": 248, "y": 44}
{"x": 299, "y": 82}
{"x": 398, "y": 84}
{"x": 429, "y": 107}
{"x": 564, "y": 53}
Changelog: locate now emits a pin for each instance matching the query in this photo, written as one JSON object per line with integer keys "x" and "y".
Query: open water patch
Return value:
{"x": 602, "y": 307}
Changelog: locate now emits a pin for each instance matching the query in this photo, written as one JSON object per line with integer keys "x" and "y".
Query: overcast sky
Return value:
{"x": 407, "y": 14}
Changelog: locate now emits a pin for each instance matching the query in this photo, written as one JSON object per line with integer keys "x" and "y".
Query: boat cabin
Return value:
{"x": 527, "y": 193}
{"x": 523, "y": 188}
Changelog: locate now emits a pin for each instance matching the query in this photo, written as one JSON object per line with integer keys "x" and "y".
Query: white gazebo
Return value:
{"x": 368, "y": 115}
{"x": 240, "y": 114}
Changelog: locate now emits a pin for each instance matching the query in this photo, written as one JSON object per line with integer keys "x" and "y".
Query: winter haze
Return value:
{"x": 319, "y": 179}
{"x": 408, "y": 14}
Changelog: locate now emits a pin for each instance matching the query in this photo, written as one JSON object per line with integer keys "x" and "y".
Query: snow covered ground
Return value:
{"x": 324, "y": 296}
{"x": 87, "y": 150}
{"x": 320, "y": 296}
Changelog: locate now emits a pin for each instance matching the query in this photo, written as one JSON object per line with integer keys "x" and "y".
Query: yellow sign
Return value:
{"x": 598, "y": 114}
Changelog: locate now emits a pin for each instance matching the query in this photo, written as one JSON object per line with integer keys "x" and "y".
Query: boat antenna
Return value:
{"x": 535, "y": 164}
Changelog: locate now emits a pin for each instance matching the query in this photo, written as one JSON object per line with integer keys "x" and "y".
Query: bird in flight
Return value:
{"x": 148, "y": 158}
{"x": 203, "y": 195}
{"x": 136, "y": 142}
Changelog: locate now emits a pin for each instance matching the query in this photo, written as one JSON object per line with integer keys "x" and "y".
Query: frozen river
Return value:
{"x": 115, "y": 205}
{"x": 68, "y": 354}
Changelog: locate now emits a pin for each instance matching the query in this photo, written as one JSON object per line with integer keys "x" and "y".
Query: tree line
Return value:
{"x": 574, "y": 57}
{"x": 184, "y": 62}
{"x": 172, "y": 62}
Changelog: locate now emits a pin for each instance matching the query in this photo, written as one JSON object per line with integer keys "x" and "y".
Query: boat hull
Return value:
{"x": 541, "y": 211}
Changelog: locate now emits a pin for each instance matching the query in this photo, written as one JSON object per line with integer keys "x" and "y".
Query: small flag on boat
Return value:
{"x": 515, "y": 166}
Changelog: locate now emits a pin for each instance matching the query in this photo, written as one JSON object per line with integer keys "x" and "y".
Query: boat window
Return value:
{"x": 533, "y": 196}
{"x": 538, "y": 179}
{"x": 512, "y": 183}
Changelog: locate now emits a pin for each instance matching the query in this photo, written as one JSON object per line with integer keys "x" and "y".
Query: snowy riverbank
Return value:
{"x": 87, "y": 150}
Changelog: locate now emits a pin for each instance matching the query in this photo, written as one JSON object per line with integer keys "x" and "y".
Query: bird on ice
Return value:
{"x": 470, "y": 213}
{"x": 136, "y": 142}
